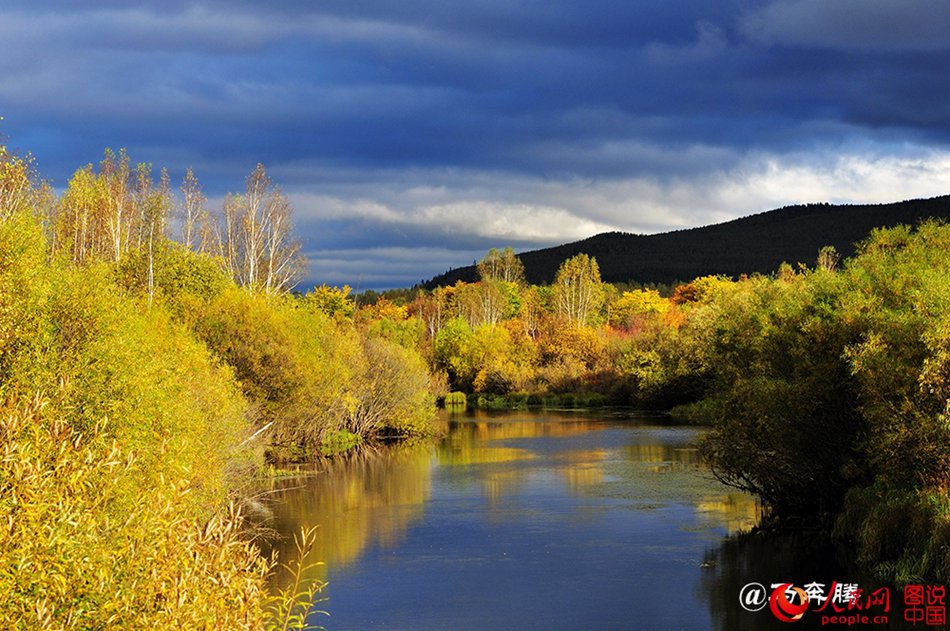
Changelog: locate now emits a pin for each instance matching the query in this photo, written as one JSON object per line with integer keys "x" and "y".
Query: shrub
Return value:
{"x": 122, "y": 438}
{"x": 392, "y": 393}
{"x": 69, "y": 560}
{"x": 295, "y": 364}
{"x": 455, "y": 399}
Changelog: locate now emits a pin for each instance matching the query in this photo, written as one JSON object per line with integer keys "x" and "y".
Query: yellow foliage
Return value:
{"x": 634, "y": 307}
{"x": 68, "y": 561}
{"x": 577, "y": 342}
{"x": 703, "y": 289}
{"x": 384, "y": 309}
{"x": 16, "y": 185}
{"x": 292, "y": 361}
{"x": 333, "y": 301}
{"x": 118, "y": 439}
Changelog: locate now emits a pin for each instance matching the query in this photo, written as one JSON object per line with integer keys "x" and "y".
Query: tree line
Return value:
{"x": 106, "y": 212}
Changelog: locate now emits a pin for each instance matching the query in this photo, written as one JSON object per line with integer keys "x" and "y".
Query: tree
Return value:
{"x": 633, "y": 307}
{"x": 15, "y": 183}
{"x": 255, "y": 240}
{"x": 155, "y": 208}
{"x": 531, "y": 312}
{"x": 336, "y": 302}
{"x": 578, "y": 291}
{"x": 501, "y": 266}
{"x": 433, "y": 310}
{"x": 115, "y": 173}
{"x": 78, "y": 226}
{"x": 491, "y": 302}
{"x": 101, "y": 216}
{"x": 193, "y": 214}
{"x": 828, "y": 258}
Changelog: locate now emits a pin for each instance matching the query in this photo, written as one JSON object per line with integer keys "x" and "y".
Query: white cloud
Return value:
{"x": 382, "y": 268}
{"x": 849, "y": 178}
{"x": 497, "y": 219}
{"x": 507, "y": 208}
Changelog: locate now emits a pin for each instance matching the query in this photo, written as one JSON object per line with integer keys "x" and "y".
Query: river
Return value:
{"x": 553, "y": 520}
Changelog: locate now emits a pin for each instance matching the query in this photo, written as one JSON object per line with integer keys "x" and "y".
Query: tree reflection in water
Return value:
{"x": 567, "y": 488}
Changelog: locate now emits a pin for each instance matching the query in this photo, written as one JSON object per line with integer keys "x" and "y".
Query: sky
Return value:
{"x": 412, "y": 136}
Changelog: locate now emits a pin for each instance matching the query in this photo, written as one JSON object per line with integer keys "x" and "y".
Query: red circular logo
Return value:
{"x": 785, "y": 610}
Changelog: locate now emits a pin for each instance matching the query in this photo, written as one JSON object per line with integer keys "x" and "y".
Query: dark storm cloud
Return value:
{"x": 456, "y": 126}
{"x": 852, "y": 25}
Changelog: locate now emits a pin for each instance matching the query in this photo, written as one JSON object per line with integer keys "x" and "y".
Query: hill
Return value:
{"x": 757, "y": 243}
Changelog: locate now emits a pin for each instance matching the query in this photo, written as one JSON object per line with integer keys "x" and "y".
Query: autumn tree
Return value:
{"x": 103, "y": 215}
{"x": 465, "y": 303}
{"x": 433, "y": 310}
{"x": 532, "y": 312}
{"x": 115, "y": 176}
{"x": 154, "y": 206}
{"x": 578, "y": 293}
{"x": 81, "y": 219}
{"x": 828, "y": 258}
{"x": 194, "y": 216}
{"x": 501, "y": 266}
{"x": 255, "y": 239}
{"x": 16, "y": 186}
{"x": 336, "y": 302}
{"x": 491, "y": 302}
{"x": 631, "y": 308}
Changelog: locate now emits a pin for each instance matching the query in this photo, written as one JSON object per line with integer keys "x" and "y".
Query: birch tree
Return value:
{"x": 433, "y": 310}
{"x": 578, "y": 291}
{"x": 80, "y": 223}
{"x": 15, "y": 183}
{"x": 115, "y": 172}
{"x": 256, "y": 239}
{"x": 193, "y": 214}
{"x": 153, "y": 207}
{"x": 503, "y": 266}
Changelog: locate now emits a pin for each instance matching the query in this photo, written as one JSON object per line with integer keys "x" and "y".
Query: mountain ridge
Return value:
{"x": 756, "y": 243}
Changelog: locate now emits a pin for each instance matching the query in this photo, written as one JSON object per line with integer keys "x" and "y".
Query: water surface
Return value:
{"x": 521, "y": 521}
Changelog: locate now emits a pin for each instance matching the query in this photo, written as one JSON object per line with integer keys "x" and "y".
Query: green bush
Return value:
{"x": 829, "y": 396}
{"x": 455, "y": 399}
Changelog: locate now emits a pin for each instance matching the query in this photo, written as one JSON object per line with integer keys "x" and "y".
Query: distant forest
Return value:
{"x": 757, "y": 243}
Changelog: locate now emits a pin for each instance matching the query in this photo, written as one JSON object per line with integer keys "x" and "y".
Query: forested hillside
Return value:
{"x": 757, "y": 243}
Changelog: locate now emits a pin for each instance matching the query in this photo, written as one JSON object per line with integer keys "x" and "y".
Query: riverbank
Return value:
{"x": 140, "y": 388}
{"x": 523, "y": 401}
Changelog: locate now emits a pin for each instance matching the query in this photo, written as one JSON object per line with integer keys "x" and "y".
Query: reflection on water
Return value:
{"x": 519, "y": 521}
{"x": 365, "y": 499}
{"x": 737, "y": 512}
